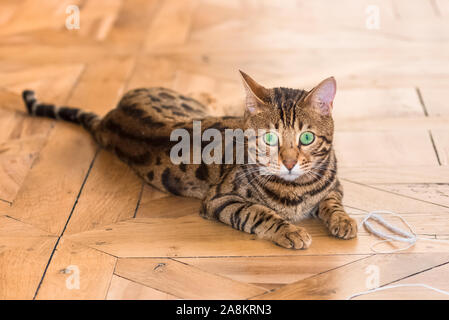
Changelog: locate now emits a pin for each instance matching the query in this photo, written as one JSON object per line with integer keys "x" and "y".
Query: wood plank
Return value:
{"x": 212, "y": 13}
{"x": 441, "y": 138}
{"x": 102, "y": 84}
{"x": 98, "y": 17}
{"x": 164, "y": 208}
{"x": 52, "y": 185}
{"x": 33, "y": 15}
{"x": 436, "y": 277}
{"x": 355, "y": 149}
{"x": 52, "y": 53}
{"x": 162, "y": 73}
{"x": 371, "y": 198}
{"x": 182, "y": 280}
{"x": 390, "y": 124}
{"x": 4, "y": 207}
{"x": 230, "y": 35}
{"x": 395, "y": 174}
{"x": 24, "y": 253}
{"x": 376, "y": 103}
{"x": 22, "y": 266}
{"x": 45, "y": 174}
{"x": 7, "y": 10}
{"x": 418, "y": 10}
{"x": 434, "y": 101}
{"x": 71, "y": 260}
{"x": 124, "y": 289}
{"x": 352, "y": 278}
{"x": 221, "y": 97}
{"x": 163, "y": 32}
{"x": 17, "y": 126}
{"x": 16, "y": 159}
{"x": 110, "y": 194}
{"x": 9, "y": 103}
{"x": 435, "y": 193}
{"x": 14, "y": 228}
{"x": 131, "y": 25}
{"x": 192, "y": 236}
{"x": 51, "y": 82}
{"x": 442, "y": 8}
{"x": 410, "y": 73}
{"x": 150, "y": 194}
{"x": 269, "y": 272}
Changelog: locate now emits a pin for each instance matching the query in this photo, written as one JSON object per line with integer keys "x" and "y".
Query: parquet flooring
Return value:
{"x": 76, "y": 223}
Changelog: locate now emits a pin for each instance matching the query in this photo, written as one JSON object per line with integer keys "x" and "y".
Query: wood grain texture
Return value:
{"x": 441, "y": 138}
{"x": 371, "y": 198}
{"x": 124, "y": 289}
{"x": 183, "y": 280}
{"x": 433, "y": 100}
{"x": 163, "y": 32}
{"x": 355, "y": 276}
{"x": 77, "y": 272}
{"x": 41, "y": 201}
{"x": 432, "y": 193}
{"x": 355, "y": 149}
{"x": 435, "y": 277}
{"x": 377, "y": 103}
{"x": 391, "y": 124}
{"x": 16, "y": 160}
{"x": 151, "y": 206}
{"x": 386, "y": 124}
{"x": 396, "y": 174}
{"x": 267, "y": 272}
{"x": 111, "y": 184}
{"x": 24, "y": 254}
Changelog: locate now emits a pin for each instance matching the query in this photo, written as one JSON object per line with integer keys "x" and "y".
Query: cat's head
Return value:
{"x": 299, "y": 127}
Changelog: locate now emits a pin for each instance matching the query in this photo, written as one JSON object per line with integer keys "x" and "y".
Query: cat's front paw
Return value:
{"x": 342, "y": 226}
{"x": 292, "y": 237}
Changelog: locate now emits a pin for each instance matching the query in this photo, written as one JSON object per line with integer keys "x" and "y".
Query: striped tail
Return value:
{"x": 88, "y": 120}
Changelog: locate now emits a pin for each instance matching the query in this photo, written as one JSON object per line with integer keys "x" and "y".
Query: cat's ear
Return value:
{"x": 256, "y": 95}
{"x": 322, "y": 96}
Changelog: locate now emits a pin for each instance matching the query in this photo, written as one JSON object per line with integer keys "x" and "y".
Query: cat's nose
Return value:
{"x": 289, "y": 164}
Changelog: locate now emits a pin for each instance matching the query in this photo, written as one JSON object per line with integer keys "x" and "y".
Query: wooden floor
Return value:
{"x": 69, "y": 211}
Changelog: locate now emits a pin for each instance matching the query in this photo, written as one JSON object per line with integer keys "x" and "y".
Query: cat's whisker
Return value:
{"x": 249, "y": 181}
{"x": 247, "y": 173}
{"x": 322, "y": 168}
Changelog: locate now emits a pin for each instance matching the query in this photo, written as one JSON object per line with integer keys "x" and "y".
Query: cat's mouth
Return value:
{"x": 290, "y": 176}
{"x": 282, "y": 172}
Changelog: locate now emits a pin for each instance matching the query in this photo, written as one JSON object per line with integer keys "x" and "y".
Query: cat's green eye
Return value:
{"x": 270, "y": 138}
{"x": 306, "y": 138}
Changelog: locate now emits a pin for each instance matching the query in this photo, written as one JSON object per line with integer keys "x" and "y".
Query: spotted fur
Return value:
{"x": 138, "y": 132}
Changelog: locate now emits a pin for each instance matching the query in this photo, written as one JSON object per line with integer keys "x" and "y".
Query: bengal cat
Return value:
{"x": 263, "y": 199}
